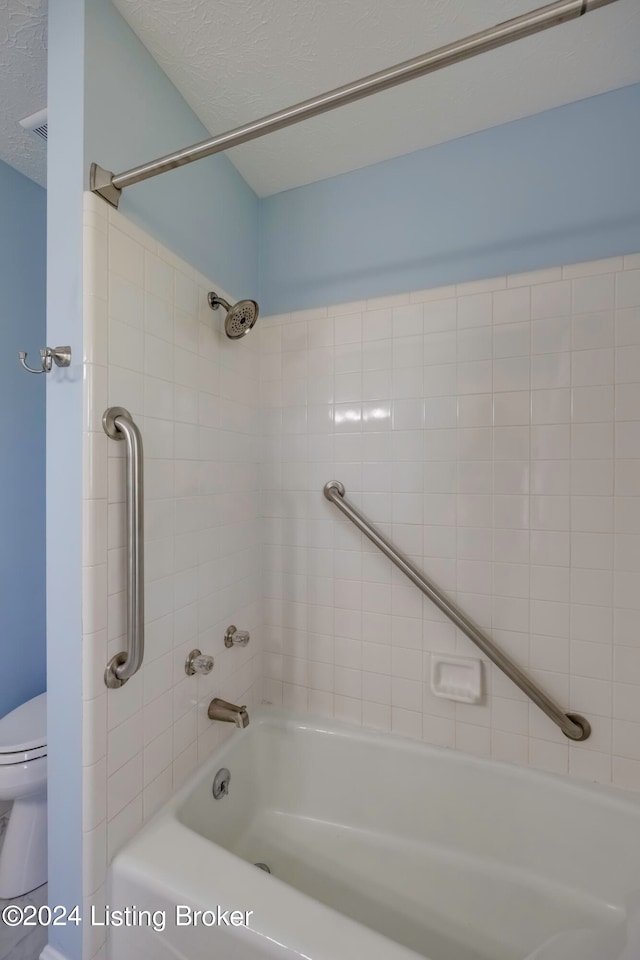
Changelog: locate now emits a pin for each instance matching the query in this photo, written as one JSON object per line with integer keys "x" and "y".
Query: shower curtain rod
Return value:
{"x": 110, "y": 186}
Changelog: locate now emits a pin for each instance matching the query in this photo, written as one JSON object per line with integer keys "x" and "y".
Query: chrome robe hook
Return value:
{"x": 61, "y": 356}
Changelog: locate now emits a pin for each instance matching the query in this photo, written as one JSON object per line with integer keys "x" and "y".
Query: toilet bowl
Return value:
{"x": 23, "y": 779}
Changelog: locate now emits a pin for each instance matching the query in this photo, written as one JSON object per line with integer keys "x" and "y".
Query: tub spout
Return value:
{"x": 228, "y": 712}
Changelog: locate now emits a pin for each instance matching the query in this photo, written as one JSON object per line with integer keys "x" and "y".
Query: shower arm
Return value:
{"x": 110, "y": 186}
{"x": 216, "y": 301}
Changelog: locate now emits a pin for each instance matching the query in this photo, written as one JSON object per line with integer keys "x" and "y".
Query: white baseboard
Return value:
{"x": 50, "y": 953}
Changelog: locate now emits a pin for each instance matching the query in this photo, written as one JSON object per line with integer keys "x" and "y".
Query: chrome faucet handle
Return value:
{"x": 198, "y": 662}
{"x": 236, "y": 638}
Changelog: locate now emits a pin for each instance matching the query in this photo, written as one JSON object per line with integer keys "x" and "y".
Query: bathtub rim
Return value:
{"x": 276, "y": 716}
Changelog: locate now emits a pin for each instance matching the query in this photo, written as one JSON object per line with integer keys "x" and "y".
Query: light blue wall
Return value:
{"x": 64, "y": 464}
{"x": 554, "y": 188}
{"x": 22, "y": 315}
{"x": 205, "y": 212}
{"x": 108, "y": 102}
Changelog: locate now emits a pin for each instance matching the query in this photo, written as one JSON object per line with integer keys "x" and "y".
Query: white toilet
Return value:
{"x": 23, "y": 779}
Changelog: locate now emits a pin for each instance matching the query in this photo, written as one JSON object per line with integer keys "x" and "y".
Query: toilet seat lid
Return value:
{"x": 25, "y": 728}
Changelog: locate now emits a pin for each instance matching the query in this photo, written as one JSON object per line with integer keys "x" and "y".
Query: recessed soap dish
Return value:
{"x": 456, "y": 678}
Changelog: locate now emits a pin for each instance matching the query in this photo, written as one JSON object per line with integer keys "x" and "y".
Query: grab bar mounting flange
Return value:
{"x": 111, "y": 678}
{"x": 109, "y": 422}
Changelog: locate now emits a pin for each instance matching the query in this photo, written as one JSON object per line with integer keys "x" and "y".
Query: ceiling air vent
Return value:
{"x": 36, "y": 124}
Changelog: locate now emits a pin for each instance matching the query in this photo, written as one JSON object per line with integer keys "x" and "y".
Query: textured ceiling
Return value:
{"x": 236, "y": 60}
{"x": 23, "y": 84}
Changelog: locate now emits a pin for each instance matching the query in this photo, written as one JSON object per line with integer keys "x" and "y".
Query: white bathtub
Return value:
{"x": 382, "y": 849}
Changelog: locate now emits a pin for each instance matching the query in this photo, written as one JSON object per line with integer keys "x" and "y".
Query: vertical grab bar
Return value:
{"x": 118, "y": 425}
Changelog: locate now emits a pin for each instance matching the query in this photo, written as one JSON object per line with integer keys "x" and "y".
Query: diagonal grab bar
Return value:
{"x": 572, "y": 725}
{"x": 118, "y": 424}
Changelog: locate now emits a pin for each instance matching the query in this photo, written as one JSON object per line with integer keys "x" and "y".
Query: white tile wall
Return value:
{"x": 152, "y": 345}
{"x": 492, "y": 430}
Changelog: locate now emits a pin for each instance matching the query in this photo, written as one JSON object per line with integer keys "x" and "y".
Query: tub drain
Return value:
{"x": 263, "y": 866}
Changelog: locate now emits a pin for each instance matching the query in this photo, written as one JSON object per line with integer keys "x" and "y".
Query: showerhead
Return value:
{"x": 240, "y": 317}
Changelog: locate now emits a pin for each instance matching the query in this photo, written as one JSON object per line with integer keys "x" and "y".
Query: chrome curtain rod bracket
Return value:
{"x": 574, "y": 726}
{"x": 101, "y": 182}
{"x": 118, "y": 425}
{"x": 110, "y": 186}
